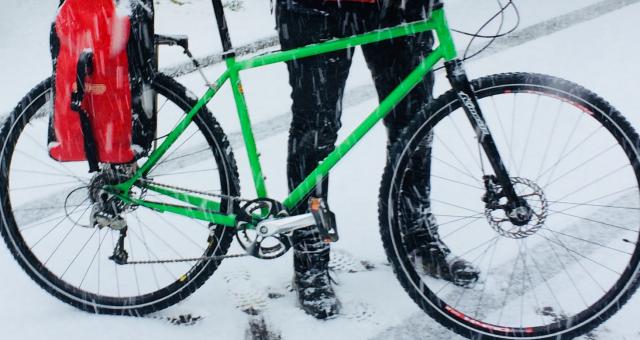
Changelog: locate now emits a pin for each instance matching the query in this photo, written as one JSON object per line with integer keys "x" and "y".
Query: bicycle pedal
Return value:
{"x": 325, "y": 219}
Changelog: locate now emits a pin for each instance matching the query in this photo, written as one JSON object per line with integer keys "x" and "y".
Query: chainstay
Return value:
{"x": 192, "y": 191}
{"x": 191, "y": 259}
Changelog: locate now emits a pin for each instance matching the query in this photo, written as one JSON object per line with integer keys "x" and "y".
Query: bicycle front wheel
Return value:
{"x": 573, "y": 158}
{"x": 46, "y": 210}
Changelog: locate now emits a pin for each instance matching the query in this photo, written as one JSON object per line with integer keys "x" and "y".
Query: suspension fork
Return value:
{"x": 460, "y": 83}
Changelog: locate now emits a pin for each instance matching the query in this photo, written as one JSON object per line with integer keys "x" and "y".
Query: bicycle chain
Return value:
{"x": 192, "y": 191}
{"x": 191, "y": 259}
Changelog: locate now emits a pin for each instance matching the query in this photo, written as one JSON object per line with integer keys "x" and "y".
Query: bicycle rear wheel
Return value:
{"x": 574, "y": 159}
{"x": 46, "y": 208}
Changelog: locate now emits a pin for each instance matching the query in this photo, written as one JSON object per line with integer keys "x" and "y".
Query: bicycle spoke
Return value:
{"x": 513, "y": 115}
{"x": 595, "y": 199}
{"x": 81, "y": 180}
{"x": 174, "y": 227}
{"x": 467, "y": 174}
{"x": 565, "y": 146}
{"x": 167, "y": 244}
{"x": 546, "y": 283}
{"x": 594, "y": 205}
{"x": 457, "y": 182}
{"x": 564, "y": 269}
{"x": 75, "y": 224}
{"x": 150, "y": 252}
{"x": 588, "y": 272}
{"x": 93, "y": 258}
{"x": 115, "y": 268}
{"x": 461, "y": 218}
{"x": 41, "y": 173}
{"x": 167, "y": 156}
{"x": 595, "y": 221}
{"x": 529, "y": 132}
{"x": 182, "y": 156}
{"x": 527, "y": 272}
{"x": 55, "y": 227}
{"x": 457, "y": 206}
{"x": 458, "y": 229}
{"x": 135, "y": 268}
{"x": 46, "y": 151}
{"x": 589, "y": 184}
{"x": 79, "y": 252}
{"x": 510, "y": 284}
{"x": 579, "y": 254}
{"x": 502, "y": 129}
{"x": 31, "y": 187}
{"x": 464, "y": 141}
{"x": 588, "y": 241}
{"x": 45, "y": 222}
{"x": 567, "y": 154}
{"x": 550, "y": 139}
{"x": 484, "y": 288}
{"x": 554, "y": 180}
{"x": 489, "y": 245}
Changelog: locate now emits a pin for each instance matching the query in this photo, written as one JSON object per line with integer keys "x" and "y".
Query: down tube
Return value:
{"x": 316, "y": 177}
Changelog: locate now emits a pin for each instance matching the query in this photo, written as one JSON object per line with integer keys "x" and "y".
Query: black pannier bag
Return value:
{"x": 103, "y": 62}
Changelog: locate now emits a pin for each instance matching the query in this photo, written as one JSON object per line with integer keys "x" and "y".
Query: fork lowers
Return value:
{"x": 460, "y": 83}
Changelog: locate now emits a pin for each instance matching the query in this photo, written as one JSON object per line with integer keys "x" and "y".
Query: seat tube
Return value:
{"x": 245, "y": 126}
{"x": 218, "y": 10}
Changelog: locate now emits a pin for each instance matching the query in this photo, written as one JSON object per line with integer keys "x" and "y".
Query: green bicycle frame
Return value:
{"x": 210, "y": 210}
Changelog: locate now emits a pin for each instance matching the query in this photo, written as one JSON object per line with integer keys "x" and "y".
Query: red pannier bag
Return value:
{"x": 117, "y": 97}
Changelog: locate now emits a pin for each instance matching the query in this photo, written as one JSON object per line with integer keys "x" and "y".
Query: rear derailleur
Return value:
{"x": 107, "y": 210}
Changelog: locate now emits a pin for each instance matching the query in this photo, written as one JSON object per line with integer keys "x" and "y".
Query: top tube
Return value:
{"x": 436, "y": 22}
{"x": 225, "y": 38}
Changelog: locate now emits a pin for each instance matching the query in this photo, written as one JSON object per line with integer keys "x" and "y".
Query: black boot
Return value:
{"x": 311, "y": 279}
{"x": 421, "y": 238}
{"x": 432, "y": 257}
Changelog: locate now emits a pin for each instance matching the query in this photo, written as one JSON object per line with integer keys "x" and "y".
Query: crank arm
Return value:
{"x": 283, "y": 225}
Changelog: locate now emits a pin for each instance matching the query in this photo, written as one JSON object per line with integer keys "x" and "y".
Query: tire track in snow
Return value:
{"x": 556, "y": 255}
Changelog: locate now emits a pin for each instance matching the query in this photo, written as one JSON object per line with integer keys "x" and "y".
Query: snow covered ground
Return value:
{"x": 600, "y": 54}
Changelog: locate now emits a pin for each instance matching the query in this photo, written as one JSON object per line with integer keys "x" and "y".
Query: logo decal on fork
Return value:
{"x": 481, "y": 127}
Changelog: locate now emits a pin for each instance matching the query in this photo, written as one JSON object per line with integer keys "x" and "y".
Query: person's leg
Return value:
{"x": 390, "y": 62}
{"x": 317, "y": 87}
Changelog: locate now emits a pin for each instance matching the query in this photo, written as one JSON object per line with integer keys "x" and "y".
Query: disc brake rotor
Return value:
{"x": 534, "y": 196}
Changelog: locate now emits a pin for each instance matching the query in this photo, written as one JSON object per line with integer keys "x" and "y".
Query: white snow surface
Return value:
{"x": 601, "y": 54}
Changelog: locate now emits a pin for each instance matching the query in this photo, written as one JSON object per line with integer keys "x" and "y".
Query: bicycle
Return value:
{"x": 561, "y": 236}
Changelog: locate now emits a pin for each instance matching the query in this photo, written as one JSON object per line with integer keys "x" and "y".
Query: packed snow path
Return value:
{"x": 375, "y": 305}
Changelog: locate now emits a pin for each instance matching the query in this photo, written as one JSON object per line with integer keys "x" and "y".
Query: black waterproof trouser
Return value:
{"x": 318, "y": 82}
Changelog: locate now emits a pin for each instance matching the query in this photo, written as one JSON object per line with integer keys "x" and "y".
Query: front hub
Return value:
{"x": 519, "y": 219}
{"x": 520, "y": 214}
